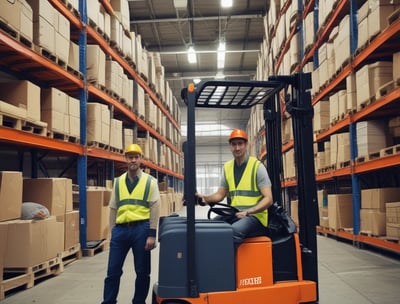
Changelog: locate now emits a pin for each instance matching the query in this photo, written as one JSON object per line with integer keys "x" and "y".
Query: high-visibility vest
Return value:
{"x": 246, "y": 194}
{"x": 133, "y": 206}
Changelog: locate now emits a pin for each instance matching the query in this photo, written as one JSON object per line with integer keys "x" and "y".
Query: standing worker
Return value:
{"x": 245, "y": 180}
{"x": 134, "y": 214}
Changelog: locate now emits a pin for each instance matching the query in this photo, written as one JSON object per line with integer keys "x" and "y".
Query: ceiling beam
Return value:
{"x": 206, "y": 74}
{"x": 195, "y": 19}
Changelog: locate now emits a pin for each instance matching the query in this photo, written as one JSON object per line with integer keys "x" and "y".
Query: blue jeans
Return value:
{"x": 124, "y": 238}
{"x": 243, "y": 227}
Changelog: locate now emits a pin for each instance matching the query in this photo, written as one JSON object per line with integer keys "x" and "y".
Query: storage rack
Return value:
{"x": 20, "y": 58}
{"x": 380, "y": 46}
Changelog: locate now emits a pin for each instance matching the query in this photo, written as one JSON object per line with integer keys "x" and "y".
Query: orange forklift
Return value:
{"x": 197, "y": 261}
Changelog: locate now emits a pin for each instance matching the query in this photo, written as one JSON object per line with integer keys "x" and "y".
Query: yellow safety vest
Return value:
{"x": 133, "y": 206}
{"x": 246, "y": 194}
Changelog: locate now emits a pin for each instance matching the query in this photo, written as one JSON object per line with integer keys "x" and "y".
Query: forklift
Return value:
{"x": 197, "y": 260}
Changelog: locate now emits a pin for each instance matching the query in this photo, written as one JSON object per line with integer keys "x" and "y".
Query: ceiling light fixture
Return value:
{"x": 196, "y": 80}
{"x": 226, "y": 3}
{"x": 221, "y": 55}
{"x": 191, "y": 55}
{"x": 180, "y": 4}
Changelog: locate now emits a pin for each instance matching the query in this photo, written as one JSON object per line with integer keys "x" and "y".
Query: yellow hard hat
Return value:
{"x": 133, "y": 148}
{"x": 238, "y": 134}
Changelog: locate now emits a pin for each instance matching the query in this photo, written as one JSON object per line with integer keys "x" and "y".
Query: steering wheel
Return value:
{"x": 221, "y": 209}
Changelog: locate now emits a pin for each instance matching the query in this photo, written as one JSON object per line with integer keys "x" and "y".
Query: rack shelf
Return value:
{"x": 380, "y": 47}
{"x": 362, "y": 239}
{"x": 20, "y": 58}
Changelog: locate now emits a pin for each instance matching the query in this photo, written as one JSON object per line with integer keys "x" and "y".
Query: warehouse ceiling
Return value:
{"x": 170, "y": 27}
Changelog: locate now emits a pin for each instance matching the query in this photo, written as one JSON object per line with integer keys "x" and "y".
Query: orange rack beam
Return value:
{"x": 37, "y": 141}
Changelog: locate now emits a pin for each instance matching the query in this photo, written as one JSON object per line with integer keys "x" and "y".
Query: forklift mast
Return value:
{"x": 245, "y": 94}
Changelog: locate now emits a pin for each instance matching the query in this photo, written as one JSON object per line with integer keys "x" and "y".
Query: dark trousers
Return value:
{"x": 124, "y": 238}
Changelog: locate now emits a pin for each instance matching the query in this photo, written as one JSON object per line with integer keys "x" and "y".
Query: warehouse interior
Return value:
{"x": 81, "y": 80}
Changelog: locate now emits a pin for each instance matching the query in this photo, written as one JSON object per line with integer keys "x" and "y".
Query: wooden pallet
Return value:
{"x": 104, "y": 245}
{"x": 74, "y": 72}
{"x": 365, "y": 158}
{"x": 394, "y": 16}
{"x": 390, "y": 151}
{"x": 20, "y": 280}
{"x": 62, "y": 136}
{"x": 20, "y": 276}
{"x": 22, "y": 124}
{"x": 116, "y": 150}
{"x": 385, "y": 89}
{"x": 71, "y": 8}
{"x": 369, "y": 233}
{"x": 366, "y": 103}
{"x": 345, "y": 164}
{"x": 390, "y": 239}
{"x": 99, "y": 145}
{"x": 14, "y": 33}
{"x": 71, "y": 254}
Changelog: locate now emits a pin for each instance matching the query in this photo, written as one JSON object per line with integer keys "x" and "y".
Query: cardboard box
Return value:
{"x": 96, "y": 65}
{"x": 44, "y": 35}
{"x": 322, "y": 198}
{"x": 373, "y": 222}
{"x": 42, "y": 9}
{"x": 371, "y": 136}
{"x": 10, "y": 195}
{"x": 378, "y": 197}
{"x": 164, "y": 204}
{"x": 38, "y": 241}
{"x": 340, "y": 211}
{"x": 54, "y": 193}
{"x": 396, "y": 66}
{"x": 61, "y": 47}
{"x": 54, "y": 99}
{"x": 63, "y": 25}
{"x": 3, "y": 245}
{"x": 323, "y": 217}
{"x": 97, "y": 214}
{"x": 393, "y": 231}
{"x": 377, "y": 18}
{"x": 370, "y": 77}
{"x": 19, "y": 15}
{"x": 74, "y": 126}
{"x": 71, "y": 228}
{"x": 73, "y": 56}
{"x": 98, "y": 123}
{"x": 294, "y": 211}
{"x": 55, "y": 121}
{"x": 23, "y": 94}
{"x": 393, "y": 213}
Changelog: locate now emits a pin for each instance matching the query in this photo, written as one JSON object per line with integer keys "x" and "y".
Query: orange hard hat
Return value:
{"x": 239, "y": 134}
{"x": 133, "y": 148}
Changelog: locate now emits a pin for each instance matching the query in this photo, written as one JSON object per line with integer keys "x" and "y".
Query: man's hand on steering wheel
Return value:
{"x": 225, "y": 210}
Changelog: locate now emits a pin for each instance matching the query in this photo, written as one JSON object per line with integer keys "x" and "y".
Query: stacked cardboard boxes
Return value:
{"x": 393, "y": 220}
{"x": 371, "y": 136}
{"x": 340, "y": 211}
{"x": 373, "y": 209}
{"x": 18, "y": 15}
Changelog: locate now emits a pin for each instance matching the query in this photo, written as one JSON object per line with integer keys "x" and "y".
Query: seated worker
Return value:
{"x": 246, "y": 182}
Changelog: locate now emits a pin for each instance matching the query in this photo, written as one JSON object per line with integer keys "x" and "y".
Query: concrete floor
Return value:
{"x": 346, "y": 275}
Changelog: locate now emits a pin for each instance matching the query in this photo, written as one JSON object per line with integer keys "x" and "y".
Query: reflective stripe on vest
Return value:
{"x": 133, "y": 206}
{"x": 246, "y": 194}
